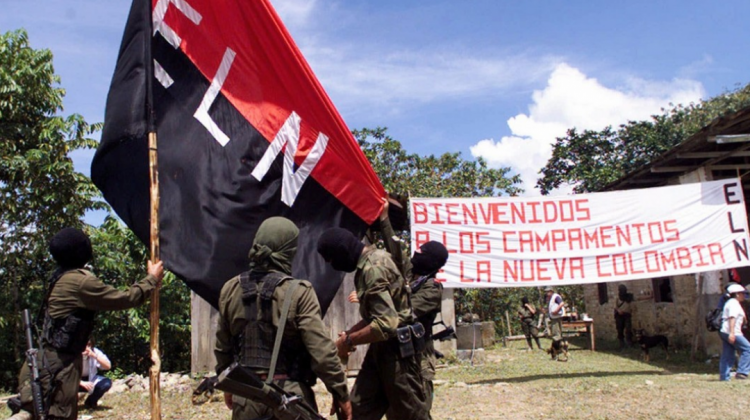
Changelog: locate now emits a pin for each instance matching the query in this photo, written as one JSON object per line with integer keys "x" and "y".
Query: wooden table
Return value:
{"x": 588, "y": 323}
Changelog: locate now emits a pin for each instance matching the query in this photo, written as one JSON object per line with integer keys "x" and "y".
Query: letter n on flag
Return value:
{"x": 245, "y": 132}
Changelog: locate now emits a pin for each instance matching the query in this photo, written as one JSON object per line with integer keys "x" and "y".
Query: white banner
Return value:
{"x": 586, "y": 238}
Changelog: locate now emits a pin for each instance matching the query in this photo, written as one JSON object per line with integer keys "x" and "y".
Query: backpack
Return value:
{"x": 714, "y": 318}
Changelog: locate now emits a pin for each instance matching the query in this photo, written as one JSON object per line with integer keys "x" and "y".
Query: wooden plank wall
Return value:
{"x": 341, "y": 315}
{"x": 203, "y": 323}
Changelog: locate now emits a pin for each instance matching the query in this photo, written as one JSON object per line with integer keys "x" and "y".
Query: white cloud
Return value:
{"x": 366, "y": 79}
{"x": 426, "y": 77}
{"x": 572, "y": 99}
{"x": 294, "y": 12}
{"x": 366, "y": 76}
{"x": 699, "y": 67}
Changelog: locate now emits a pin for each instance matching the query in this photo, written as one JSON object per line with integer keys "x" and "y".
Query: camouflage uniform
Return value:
{"x": 426, "y": 302}
{"x": 386, "y": 382}
{"x": 76, "y": 289}
{"x": 528, "y": 326}
{"x": 274, "y": 247}
{"x": 624, "y": 320}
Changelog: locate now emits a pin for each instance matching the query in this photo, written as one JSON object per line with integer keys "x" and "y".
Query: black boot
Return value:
{"x": 14, "y": 405}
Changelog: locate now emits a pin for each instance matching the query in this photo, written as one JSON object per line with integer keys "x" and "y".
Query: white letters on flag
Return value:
{"x": 292, "y": 180}
{"x": 586, "y": 238}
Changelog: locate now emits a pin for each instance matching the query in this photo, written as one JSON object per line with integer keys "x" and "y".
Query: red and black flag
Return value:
{"x": 245, "y": 132}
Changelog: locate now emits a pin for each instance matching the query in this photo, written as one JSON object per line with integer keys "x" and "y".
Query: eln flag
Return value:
{"x": 245, "y": 132}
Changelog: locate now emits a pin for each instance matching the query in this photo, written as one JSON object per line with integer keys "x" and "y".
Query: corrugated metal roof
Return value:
{"x": 722, "y": 160}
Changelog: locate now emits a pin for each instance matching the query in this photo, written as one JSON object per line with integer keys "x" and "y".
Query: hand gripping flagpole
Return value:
{"x": 155, "y": 370}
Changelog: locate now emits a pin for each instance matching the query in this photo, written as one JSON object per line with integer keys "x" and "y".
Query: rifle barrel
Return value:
{"x": 27, "y": 327}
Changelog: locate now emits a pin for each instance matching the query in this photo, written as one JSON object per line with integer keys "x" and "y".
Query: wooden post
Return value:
{"x": 507, "y": 319}
{"x": 699, "y": 316}
{"x": 155, "y": 371}
{"x": 203, "y": 325}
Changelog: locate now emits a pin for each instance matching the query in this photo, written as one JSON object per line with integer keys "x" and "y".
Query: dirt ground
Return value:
{"x": 515, "y": 384}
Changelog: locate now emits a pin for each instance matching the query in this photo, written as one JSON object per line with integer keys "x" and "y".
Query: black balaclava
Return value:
{"x": 431, "y": 257}
{"x": 524, "y": 300}
{"x": 341, "y": 248}
{"x": 70, "y": 248}
{"x": 622, "y": 293}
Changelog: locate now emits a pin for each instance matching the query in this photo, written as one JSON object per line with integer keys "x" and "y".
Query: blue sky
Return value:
{"x": 497, "y": 79}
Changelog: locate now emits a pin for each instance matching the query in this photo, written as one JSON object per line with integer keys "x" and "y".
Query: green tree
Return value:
{"x": 589, "y": 160}
{"x": 120, "y": 259}
{"x": 40, "y": 192}
{"x": 447, "y": 175}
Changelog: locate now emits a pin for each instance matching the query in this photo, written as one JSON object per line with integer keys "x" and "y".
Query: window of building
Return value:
{"x": 603, "y": 297}
{"x": 662, "y": 287}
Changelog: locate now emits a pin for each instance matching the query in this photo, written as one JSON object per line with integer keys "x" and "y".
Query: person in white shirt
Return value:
{"x": 91, "y": 382}
{"x": 555, "y": 311}
{"x": 733, "y": 318}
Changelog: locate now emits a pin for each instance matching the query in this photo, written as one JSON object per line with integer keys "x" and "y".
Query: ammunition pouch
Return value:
{"x": 410, "y": 340}
{"x": 418, "y": 336}
{"x": 69, "y": 334}
{"x": 405, "y": 345}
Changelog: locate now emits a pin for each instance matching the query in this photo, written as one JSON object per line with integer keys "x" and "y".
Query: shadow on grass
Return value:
{"x": 530, "y": 378}
{"x": 100, "y": 407}
{"x": 679, "y": 358}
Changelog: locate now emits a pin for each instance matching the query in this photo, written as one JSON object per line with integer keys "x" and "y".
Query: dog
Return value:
{"x": 648, "y": 342}
{"x": 558, "y": 348}
{"x": 205, "y": 390}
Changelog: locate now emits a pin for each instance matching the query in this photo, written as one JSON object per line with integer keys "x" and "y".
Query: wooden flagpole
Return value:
{"x": 155, "y": 371}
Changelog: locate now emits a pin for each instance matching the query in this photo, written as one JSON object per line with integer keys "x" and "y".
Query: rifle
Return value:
{"x": 447, "y": 334}
{"x": 32, "y": 355}
{"x": 239, "y": 380}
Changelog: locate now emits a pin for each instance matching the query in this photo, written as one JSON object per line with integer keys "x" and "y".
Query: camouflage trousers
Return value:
{"x": 389, "y": 384}
{"x": 555, "y": 328}
{"x": 60, "y": 375}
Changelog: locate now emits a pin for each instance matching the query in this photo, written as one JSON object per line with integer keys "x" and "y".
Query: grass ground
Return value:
{"x": 516, "y": 384}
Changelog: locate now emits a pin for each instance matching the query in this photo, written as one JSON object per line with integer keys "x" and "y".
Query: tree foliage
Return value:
{"x": 447, "y": 175}
{"x": 40, "y": 193}
{"x": 120, "y": 259}
{"x": 589, "y": 160}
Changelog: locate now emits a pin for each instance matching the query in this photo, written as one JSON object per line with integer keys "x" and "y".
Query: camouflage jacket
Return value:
{"x": 382, "y": 292}
{"x": 426, "y": 299}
